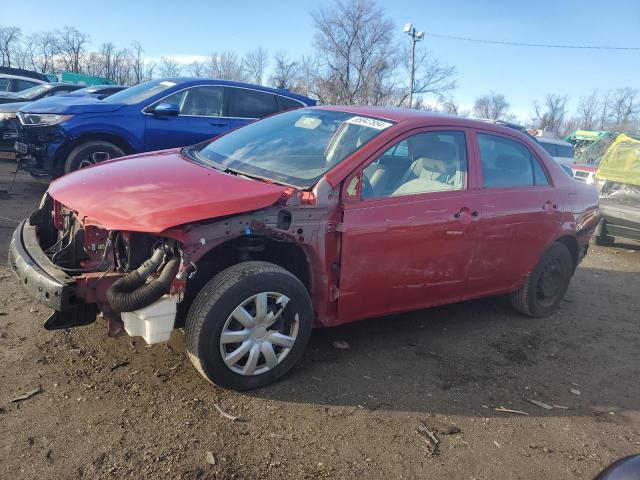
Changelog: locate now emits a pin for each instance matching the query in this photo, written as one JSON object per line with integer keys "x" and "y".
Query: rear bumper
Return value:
{"x": 41, "y": 279}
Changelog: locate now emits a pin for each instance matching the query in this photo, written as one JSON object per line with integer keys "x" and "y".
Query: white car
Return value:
{"x": 561, "y": 151}
{"x": 16, "y": 79}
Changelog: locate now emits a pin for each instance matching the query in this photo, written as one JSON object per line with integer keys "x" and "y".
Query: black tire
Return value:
{"x": 601, "y": 237}
{"x": 546, "y": 285}
{"x": 219, "y": 298}
{"x": 91, "y": 152}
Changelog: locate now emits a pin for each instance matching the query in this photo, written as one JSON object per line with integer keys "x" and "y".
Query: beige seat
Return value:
{"x": 435, "y": 169}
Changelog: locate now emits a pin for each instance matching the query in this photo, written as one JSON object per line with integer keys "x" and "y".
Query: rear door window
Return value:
{"x": 246, "y": 103}
{"x": 508, "y": 163}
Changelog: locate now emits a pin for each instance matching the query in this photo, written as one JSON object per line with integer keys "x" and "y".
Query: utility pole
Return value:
{"x": 415, "y": 37}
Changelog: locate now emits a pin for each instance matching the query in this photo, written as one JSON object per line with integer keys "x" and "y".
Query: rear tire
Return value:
{"x": 225, "y": 329}
{"x": 90, "y": 153}
{"x": 546, "y": 285}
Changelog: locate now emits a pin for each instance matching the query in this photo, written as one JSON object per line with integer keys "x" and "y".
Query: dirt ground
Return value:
{"x": 113, "y": 408}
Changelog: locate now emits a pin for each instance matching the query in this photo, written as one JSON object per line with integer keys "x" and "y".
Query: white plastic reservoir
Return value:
{"x": 153, "y": 323}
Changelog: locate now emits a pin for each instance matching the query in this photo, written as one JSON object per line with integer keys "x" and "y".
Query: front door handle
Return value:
{"x": 218, "y": 123}
{"x": 549, "y": 206}
{"x": 464, "y": 213}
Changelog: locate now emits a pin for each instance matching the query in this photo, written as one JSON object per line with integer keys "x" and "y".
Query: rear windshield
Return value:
{"x": 141, "y": 92}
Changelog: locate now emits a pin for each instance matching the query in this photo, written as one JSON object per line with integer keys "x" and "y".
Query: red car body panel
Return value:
{"x": 152, "y": 192}
{"x": 365, "y": 258}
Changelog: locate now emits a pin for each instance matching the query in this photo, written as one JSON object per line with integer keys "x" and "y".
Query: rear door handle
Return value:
{"x": 219, "y": 123}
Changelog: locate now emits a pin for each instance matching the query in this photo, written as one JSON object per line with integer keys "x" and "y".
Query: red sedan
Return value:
{"x": 317, "y": 216}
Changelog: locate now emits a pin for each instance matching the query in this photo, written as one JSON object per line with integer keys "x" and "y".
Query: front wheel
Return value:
{"x": 90, "y": 153}
{"x": 545, "y": 287}
{"x": 248, "y": 325}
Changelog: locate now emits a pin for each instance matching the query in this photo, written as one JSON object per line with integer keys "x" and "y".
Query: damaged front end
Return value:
{"x": 78, "y": 268}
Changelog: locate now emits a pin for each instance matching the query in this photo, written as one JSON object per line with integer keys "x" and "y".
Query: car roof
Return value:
{"x": 20, "y": 72}
{"x": 427, "y": 118}
{"x": 215, "y": 81}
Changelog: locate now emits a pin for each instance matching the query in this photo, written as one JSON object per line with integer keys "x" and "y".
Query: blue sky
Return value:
{"x": 190, "y": 27}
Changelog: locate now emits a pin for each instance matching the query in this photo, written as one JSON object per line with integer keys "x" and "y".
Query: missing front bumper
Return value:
{"x": 45, "y": 282}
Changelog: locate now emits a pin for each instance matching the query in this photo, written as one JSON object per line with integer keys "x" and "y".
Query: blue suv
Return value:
{"x": 59, "y": 135}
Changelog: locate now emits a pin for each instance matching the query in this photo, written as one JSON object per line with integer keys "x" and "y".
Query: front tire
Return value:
{"x": 248, "y": 326}
{"x": 90, "y": 153}
{"x": 546, "y": 285}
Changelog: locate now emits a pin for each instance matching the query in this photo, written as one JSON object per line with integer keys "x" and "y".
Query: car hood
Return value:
{"x": 12, "y": 107}
{"x": 71, "y": 105}
{"x": 155, "y": 191}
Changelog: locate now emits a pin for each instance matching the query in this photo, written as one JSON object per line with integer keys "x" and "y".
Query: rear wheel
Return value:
{"x": 545, "y": 287}
{"x": 248, "y": 325}
{"x": 90, "y": 153}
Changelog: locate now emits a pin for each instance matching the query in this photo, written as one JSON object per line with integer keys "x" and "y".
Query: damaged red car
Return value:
{"x": 313, "y": 217}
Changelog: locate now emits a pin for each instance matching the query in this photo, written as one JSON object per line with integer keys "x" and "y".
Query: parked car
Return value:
{"x": 618, "y": 181}
{"x": 9, "y": 125}
{"x": 97, "y": 91}
{"x": 18, "y": 79}
{"x": 39, "y": 91}
{"x": 560, "y": 151}
{"x": 58, "y": 136}
{"x": 584, "y": 172}
{"x": 316, "y": 216}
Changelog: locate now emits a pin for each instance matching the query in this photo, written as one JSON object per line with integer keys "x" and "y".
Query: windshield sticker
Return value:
{"x": 369, "y": 122}
{"x": 167, "y": 83}
{"x": 307, "y": 121}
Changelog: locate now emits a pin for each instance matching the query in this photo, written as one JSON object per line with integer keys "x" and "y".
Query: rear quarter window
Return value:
{"x": 246, "y": 103}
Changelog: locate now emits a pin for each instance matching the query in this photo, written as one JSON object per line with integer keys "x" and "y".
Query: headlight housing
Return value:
{"x": 41, "y": 119}
{"x": 7, "y": 115}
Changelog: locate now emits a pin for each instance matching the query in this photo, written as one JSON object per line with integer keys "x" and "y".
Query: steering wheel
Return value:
{"x": 367, "y": 188}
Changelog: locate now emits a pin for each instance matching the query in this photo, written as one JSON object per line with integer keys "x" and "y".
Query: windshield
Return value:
{"x": 141, "y": 92}
{"x": 33, "y": 92}
{"x": 83, "y": 92}
{"x": 296, "y": 148}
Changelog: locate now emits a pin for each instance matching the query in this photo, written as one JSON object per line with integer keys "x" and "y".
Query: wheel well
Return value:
{"x": 287, "y": 255}
{"x": 572, "y": 244}
{"x": 117, "y": 140}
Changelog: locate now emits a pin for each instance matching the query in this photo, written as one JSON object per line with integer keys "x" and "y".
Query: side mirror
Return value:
{"x": 166, "y": 110}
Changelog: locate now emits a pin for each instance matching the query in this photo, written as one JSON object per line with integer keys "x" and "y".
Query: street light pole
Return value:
{"x": 415, "y": 37}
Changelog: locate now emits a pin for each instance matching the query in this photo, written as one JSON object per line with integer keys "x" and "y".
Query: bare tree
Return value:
{"x": 225, "y": 66}
{"x": 9, "y": 44}
{"x": 137, "y": 63}
{"x": 169, "y": 67}
{"x": 354, "y": 41}
{"x": 431, "y": 77}
{"x": 493, "y": 106}
{"x": 551, "y": 117}
{"x": 71, "y": 44}
{"x": 41, "y": 51}
{"x": 196, "y": 69}
{"x": 451, "y": 107}
{"x": 284, "y": 71}
{"x": 255, "y": 64}
{"x": 587, "y": 112}
{"x": 624, "y": 109}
